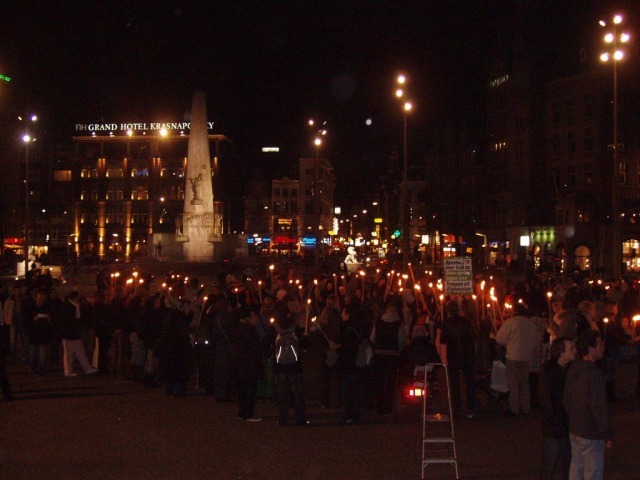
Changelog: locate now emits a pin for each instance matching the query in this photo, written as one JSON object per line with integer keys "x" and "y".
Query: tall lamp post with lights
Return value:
{"x": 405, "y": 214}
{"x": 317, "y": 141}
{"x": 614, "y": 39}
{"x": 27, "y": 139}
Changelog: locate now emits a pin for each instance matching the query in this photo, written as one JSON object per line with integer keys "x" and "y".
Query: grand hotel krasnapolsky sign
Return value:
{"x": 134, "y": 127}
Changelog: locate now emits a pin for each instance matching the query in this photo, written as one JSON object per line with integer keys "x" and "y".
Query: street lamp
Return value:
{"x": 317, "y": 141}
{"x": 316, "y": 199}
{"x": 405, "y": 221}
{"x": 613, "y": 40}
{"x": 27, "y": 139}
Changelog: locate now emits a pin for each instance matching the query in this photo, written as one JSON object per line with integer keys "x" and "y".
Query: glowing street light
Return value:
{"x": 27, "y": 139}
{"x": 317, "y": 141}
{"x": 613, "y": 40}
{"x": 404, "y": 204}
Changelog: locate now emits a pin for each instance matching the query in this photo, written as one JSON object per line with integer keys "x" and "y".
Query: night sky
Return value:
{"x": 267, "y": 67}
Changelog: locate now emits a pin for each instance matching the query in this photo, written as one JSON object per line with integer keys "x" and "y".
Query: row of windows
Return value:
{"x": 115, "y": 218}
{"x": 569, "y": 180}
{"x": 285, "y": 207}
{"x": 138, "y": 193}
{"x": 285, "y": 192}
{"x": 572, "y": 110}
{"x": 571, "y": 142}
{"x": 565, "y": 216}
{"x": 65, "y": 175}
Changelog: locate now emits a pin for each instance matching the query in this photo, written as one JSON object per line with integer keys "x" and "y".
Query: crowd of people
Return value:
{"x": 244, "y": 339}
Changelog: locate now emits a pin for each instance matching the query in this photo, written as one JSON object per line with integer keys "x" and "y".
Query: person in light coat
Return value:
{"x": 520, "y": 337}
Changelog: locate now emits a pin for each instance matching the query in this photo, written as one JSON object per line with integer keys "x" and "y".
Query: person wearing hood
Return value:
{"x": 387, "y": 338}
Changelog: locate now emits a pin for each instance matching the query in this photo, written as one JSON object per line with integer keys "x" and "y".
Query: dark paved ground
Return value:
{"x": 103, "y": 428}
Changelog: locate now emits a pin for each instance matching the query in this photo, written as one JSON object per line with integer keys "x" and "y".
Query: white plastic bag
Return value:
{"x": 499, "y": 377}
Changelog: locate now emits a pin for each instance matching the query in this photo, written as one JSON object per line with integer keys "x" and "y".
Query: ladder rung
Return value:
{"x": 439, "y": 440}
{"x": 451, "y": 461}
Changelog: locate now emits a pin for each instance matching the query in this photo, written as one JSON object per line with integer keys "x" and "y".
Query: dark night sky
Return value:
{"x": 265, "y": 67}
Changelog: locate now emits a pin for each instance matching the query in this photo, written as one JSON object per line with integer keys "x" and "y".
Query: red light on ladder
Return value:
{"x": 416, "y": 392}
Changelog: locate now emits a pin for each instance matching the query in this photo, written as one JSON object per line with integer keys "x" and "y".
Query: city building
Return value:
{"x": 297, "y": 212}
{"x": 540, "y": 193}
{"x": 122, "y": 189}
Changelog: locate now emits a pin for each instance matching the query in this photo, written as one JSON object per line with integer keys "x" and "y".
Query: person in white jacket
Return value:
{"x": 518, "y": 334}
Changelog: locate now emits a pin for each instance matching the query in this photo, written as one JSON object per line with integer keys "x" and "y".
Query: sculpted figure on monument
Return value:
{"x": 195, "y": 184}
{"x": 179, "y": 231}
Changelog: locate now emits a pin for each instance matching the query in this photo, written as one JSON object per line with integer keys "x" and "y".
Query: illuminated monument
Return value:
{"x": 198, "y": 227}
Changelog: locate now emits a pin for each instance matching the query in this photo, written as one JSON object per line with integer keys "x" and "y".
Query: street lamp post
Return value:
{"x": 613, "y": 39}
{"x": 27, "y": 139}
{"x": 316, "y": 194}
{"x": 405, "y": 214}
{"x": 317, "y": 141}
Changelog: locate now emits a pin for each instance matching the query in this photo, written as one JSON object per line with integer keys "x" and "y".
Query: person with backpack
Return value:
{"x": 387, "y": 339}
{"x": 287, "y": 366}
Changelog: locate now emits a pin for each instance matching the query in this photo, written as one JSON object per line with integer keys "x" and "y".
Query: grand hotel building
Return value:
{"x": 125, "y": 187}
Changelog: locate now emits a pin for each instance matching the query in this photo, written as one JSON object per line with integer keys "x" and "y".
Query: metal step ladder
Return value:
{"x": 444, "y": 445}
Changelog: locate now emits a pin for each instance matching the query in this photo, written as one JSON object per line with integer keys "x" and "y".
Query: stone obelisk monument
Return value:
{"x": 198, "y": 217}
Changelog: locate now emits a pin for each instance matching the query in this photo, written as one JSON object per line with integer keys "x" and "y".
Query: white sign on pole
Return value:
{"x": 458, "y": 276}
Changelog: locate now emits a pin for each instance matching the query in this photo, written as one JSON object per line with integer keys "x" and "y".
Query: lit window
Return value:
{"x": 62, "y": 175}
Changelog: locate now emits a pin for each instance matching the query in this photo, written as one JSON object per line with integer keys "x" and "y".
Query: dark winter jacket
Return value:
{"x": 419, "y": 352}
{"x": 348, "y": 350}
{"x": 39, "y": 325}
{"x": 70, "y": 325}
{"x": 585, "y": 401}
{"x": 459, "y": 337}
{"x": 173, "y": 349}
{"x": 102, "y": 320}
{"x": 551, "y": 385}
{"x": 246, "y": 352}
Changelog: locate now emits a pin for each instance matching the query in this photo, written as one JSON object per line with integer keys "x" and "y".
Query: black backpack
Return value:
{"x": 365, "y": 354}
{"x": 387, "y": 335}
{"x": 287, "y": 349}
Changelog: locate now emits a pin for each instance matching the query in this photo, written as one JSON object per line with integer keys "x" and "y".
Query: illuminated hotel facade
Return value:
{"x": 128, "y": 187}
